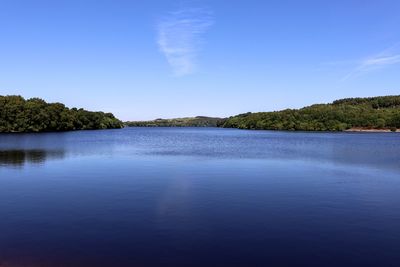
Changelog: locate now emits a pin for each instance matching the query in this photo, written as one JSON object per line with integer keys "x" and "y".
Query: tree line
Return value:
{"x": 35, "y": 115}
{"x": 199, "y": 121}
{"x": 369, "y": 113}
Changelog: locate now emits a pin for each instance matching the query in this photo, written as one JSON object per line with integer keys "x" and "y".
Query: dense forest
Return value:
{"x": 199, "y": 121}
{"x": 366, "y": 113}
{"x": 35, "y": 115}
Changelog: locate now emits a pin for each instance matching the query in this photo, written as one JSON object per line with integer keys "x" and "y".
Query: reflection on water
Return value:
{"x": 19, "y": 158}
{"x": 199, "y": 197}
{"x": 379, "y": 151}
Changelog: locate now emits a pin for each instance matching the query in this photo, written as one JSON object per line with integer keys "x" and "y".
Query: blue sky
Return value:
{"x": 151, "y": 59}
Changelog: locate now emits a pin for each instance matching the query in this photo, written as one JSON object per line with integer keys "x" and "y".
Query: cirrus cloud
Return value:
{"x": 385, "y": 58}
{"x": 180, "y": 37}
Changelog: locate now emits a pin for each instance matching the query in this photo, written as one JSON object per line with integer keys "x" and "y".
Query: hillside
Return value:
{"x": 350, "y": 113}
{"x": 35, "y": 115}
{"x": 199, "y": 121}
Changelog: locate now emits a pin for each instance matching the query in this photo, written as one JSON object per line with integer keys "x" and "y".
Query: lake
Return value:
{"x": 199, "y": 197}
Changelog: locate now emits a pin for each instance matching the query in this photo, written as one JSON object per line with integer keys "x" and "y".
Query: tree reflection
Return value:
{"x": 21, "y": 157}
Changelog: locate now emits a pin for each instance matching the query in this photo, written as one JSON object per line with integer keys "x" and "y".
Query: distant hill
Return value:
{"x": 346, "y": 114}
{"x": 350, "y": 114}
{"x": 199, "y": 121}
{"x": 35, "y": 115}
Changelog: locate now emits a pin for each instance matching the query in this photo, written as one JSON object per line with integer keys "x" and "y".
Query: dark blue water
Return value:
{"x": 199, "y": 197}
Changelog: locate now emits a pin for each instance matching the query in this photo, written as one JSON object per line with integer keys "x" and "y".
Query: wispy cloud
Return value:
{"x": 180, "y": 37}
{"x": 390, "y": 56}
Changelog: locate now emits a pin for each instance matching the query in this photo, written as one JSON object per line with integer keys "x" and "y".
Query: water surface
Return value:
{"x": 199, "y": 197}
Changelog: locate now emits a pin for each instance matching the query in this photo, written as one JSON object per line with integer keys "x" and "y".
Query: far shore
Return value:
{"x": 371, "y": 130}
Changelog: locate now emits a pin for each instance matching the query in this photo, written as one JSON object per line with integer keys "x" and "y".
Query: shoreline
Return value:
{"x": 366, "y": 130}
{"x": 351, "y": 130}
